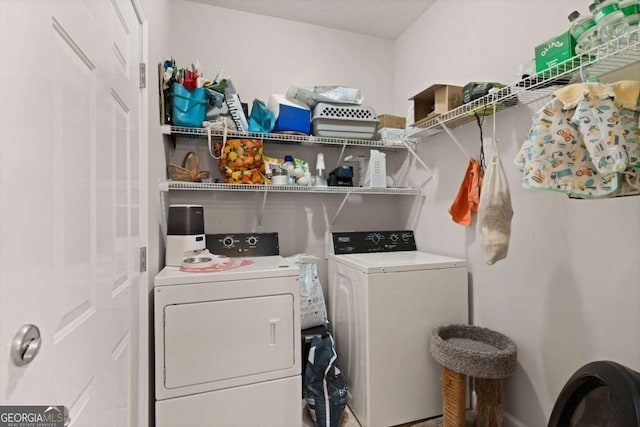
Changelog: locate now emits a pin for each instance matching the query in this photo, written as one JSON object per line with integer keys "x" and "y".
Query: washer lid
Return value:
{"x": 261, "y": 267}
{"x": 397, "y": 261}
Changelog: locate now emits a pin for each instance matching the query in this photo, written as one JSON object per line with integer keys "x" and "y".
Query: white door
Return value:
{"x": 72, "y": 207}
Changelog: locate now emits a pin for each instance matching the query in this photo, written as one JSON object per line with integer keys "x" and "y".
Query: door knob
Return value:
{"x": 26, "y": 344}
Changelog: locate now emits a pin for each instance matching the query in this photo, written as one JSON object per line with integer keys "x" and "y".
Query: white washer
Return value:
{"x": 227, "y": 345}
{"x": 383, "y": 305}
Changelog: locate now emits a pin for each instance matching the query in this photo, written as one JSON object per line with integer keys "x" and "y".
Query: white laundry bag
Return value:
{"x": 495, "y": 211}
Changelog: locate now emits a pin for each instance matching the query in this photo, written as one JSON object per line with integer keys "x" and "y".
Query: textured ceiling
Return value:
{"x": 379, "y": 18}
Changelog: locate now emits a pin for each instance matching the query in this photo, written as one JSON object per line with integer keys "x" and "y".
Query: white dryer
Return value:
{"x": 385, "y": 297}
{"x": 227, "y": 343}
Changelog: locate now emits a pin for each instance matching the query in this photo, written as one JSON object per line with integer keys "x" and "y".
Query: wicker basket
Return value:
{"x": 184, "y": 173}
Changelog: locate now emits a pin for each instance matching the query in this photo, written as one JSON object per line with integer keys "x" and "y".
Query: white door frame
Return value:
{"x": 143, "y": 309}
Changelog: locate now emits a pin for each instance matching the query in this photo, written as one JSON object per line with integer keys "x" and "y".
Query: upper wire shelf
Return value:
{"x": 599, "y": 61}
{"x": 283, "y": 138}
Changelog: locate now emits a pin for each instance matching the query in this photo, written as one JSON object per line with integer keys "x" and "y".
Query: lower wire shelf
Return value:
{"x": 205, "y": 186}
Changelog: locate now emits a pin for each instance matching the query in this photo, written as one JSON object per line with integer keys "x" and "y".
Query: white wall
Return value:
{"x": 264, "y": 55}
{"x": 568, "y": 292}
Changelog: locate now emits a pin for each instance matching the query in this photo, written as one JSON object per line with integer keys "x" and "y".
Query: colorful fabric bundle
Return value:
{"x": 241, "y": 161}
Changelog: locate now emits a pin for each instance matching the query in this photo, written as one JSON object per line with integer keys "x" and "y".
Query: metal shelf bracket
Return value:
{"x": 419, "y": 160}
{"x": 261, "y": 214}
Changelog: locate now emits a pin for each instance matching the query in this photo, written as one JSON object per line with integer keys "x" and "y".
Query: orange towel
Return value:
{"x": 468, "y": 196}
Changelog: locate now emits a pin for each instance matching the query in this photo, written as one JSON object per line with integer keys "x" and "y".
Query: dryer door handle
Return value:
{"x": 273, "y": 331}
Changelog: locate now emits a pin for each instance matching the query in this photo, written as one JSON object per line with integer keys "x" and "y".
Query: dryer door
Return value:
{"x": 227, "y": 342}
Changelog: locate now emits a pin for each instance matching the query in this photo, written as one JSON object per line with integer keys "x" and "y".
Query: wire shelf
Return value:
{"x": 282, "y": 138}
{"x": 205, "y": 186}
{"x": 599, "y": 61}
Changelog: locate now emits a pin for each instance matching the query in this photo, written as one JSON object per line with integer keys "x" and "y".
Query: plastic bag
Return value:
{"x": 313, "y": 311}
{"x": 189, "y": 106}
{"x": 311, "y": 96}
{"x": 495, "y": 211}
{"x": 324, "y": 386}
{"x": 261, "y": 118}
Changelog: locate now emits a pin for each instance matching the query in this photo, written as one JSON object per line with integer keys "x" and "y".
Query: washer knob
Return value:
{"x": 394, "y": 237}
{"x": 228, "y": 242}
{"x": 252, "y": 240}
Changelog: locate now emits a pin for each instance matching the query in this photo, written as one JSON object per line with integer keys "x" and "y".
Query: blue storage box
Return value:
{"x": 291, "y": 115}
{"x": 189, "y": 107}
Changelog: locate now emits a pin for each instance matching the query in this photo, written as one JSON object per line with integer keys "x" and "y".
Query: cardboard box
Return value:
{"x": 390, "y": 121}
{"x": 291, "y": 115}
{"x": 555, "y": 51}
{"x": 435, "y": 100}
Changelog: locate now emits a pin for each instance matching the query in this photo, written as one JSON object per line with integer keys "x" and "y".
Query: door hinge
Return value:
{"x": 143, "y": 259}
{"x": 143, "y": 75}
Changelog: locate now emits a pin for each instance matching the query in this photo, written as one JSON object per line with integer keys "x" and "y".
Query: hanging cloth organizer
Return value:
{"x": 585, "y": 142}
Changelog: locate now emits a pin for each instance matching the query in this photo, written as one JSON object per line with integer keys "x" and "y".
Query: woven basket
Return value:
{"x": 187, "y": 173}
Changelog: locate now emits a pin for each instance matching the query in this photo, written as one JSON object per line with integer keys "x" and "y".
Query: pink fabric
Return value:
{"x": 229, "y": 265}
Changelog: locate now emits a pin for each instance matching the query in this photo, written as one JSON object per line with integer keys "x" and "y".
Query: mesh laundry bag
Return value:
{"x": 495, "y": 211}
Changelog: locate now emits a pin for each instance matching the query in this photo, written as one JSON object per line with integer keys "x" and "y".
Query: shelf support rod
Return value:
{"x": 260, "y": 216}
{"x": 346, "y": 197}
{"x": 418, "y": 159}
{"x": 344, "y": 146}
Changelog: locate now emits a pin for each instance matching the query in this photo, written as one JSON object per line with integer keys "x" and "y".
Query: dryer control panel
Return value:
{"x": 243, "y": 244}
{"x": 359, "y": 242}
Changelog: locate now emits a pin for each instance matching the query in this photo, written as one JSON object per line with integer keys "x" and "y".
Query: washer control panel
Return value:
{"x": 243, "y": 244}
{"x": 359, "y": 242}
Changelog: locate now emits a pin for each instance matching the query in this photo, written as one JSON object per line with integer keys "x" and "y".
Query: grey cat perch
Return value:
{"x": 487, "y": 356}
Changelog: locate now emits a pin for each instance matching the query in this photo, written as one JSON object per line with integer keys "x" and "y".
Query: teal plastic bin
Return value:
{"x": 189, "y": 107}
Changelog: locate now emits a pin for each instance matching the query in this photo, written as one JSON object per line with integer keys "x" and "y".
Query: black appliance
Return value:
{"x": 601, "y": 393}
